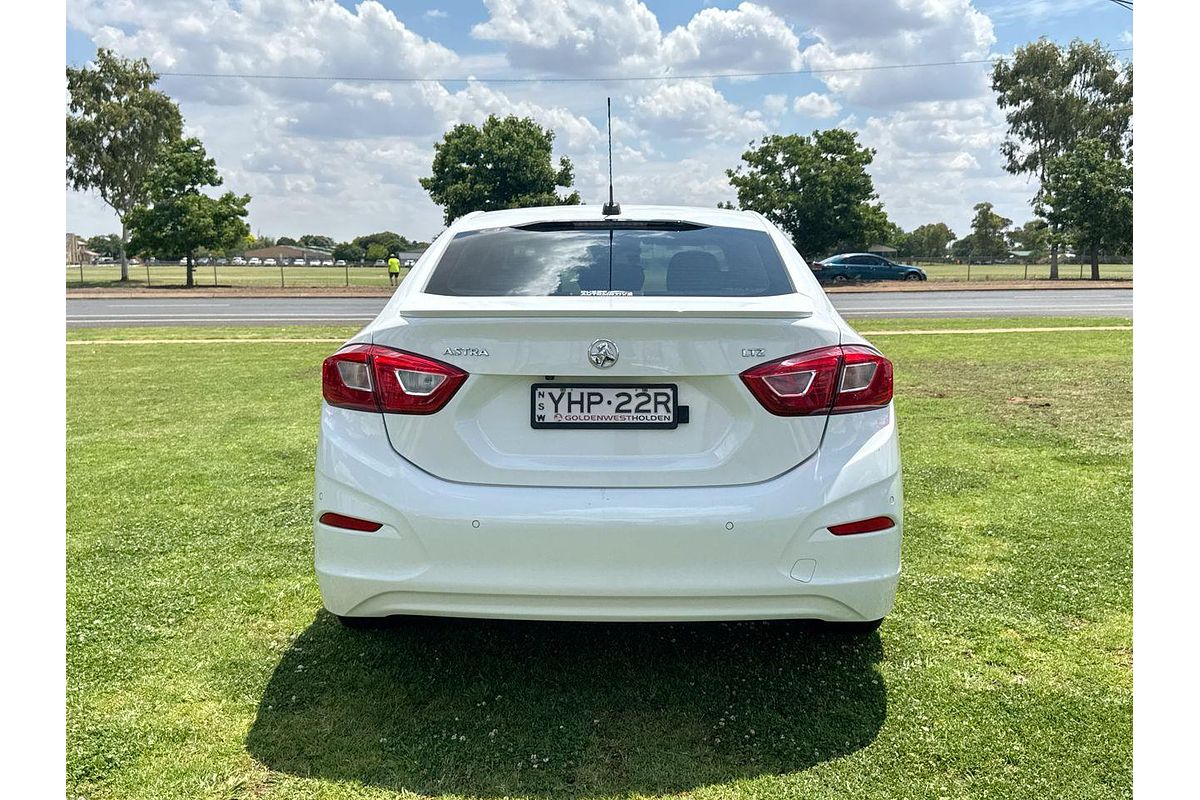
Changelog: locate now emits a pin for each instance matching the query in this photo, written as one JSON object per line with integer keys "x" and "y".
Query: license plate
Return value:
{"x": 604, "y": 405}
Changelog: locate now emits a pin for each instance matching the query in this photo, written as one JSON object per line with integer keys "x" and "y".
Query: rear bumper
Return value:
{"x": 760, "y": 551}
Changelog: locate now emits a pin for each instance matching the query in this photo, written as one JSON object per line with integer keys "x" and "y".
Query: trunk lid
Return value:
{"x": 699, "y": 344}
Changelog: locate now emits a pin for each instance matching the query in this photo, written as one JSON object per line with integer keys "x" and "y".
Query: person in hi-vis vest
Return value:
{"x": 393, "y": 269}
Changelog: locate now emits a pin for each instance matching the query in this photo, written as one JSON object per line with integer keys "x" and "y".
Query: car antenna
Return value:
{"x": 611, "y": 207}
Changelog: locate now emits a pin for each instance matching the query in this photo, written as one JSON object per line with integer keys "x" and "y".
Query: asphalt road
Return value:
{"x": 117, "y": 312}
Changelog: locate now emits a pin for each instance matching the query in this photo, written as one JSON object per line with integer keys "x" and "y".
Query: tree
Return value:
{"x": 989, "y": 233}
{"x": 388, "y": 239}
{"x": 259, "y": 242}
{"x": 180, "y": 219}
{"x": 816, "y": 188}
{"x": 1033, "y": 236}
{"x": 286, "y": 240}
{"x": 726, "y": 204}
{"x": 108, "y": 244}
{"x": 963, "y": 249}
{"x": 505, "y": 163}
{"x": 319, "y": 242}
{"x": 930, "y": 240}
{"x": 1089, "y": 193}
{"x": 377, "y": 251}
{"x": 116, "y": 128}
{"x": 1055, "y": 98}
{"x": 348, "y": 252}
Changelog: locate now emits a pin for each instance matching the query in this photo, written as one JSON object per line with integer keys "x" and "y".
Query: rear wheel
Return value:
{"x": 840, "y": 278}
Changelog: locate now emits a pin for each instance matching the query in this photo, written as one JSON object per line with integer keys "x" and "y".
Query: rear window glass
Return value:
{"x": 665, "y": 259}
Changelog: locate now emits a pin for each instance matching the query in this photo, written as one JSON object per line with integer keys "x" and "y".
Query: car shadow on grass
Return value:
{"x": 492, "y": 708}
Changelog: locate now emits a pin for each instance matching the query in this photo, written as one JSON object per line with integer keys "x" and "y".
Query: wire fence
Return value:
{"x": 296, "y": 276}
{"x": 1019, "y": 272}
{"x": 228, "y": 275}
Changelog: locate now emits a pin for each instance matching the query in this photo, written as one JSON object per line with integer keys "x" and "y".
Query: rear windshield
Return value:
{"x": 657, "y": 259}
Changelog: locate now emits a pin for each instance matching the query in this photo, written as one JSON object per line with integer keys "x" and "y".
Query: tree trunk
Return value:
{"x": 1095, "y": 263}
{"x": 191, "y": 281}
{"x": 124, "y": 257}
{"x": 1054, "y": 261}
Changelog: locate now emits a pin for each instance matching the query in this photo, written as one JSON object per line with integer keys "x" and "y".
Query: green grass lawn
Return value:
{"x": 199, "y": 663}
{"x": 1016, "y": 272}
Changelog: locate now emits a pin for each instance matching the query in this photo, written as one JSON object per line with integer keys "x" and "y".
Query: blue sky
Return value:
{"x": 342, "y": 158}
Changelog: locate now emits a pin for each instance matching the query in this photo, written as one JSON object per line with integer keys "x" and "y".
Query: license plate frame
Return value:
{"x": 547, "y": 424}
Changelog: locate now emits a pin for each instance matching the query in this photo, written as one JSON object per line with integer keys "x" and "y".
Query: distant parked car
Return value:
{"x": 327, "y": 263}
{"x": 238, "y": 260}
{"x": 341, "y": 262}
{"x": 298, "y": 262}
{"x": 268, "y": 262}
{"x": 379, "y": 262}
{"x": 847, "y": 267}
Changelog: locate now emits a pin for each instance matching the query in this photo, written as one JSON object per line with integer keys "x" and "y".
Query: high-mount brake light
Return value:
{"x": 830, "y": 380}
{"x": 370, "y": 377}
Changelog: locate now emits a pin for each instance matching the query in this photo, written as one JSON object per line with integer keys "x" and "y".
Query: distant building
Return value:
{"x": 77, "y": 252}
{"x": 409, "y": 257}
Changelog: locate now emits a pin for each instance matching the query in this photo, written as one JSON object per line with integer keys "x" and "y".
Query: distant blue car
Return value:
{"x": 848, "y": 267}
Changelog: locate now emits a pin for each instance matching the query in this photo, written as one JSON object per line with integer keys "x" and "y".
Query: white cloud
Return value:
{"x": 593, "y": 37}
{"x": 436, "y": 13}
{"x": 575, "y": 36}
{"x": 874, "y": 33}
{"x": 816, "y": 105}
{"x": 749, "y": 38}
{"x": 935, "y": 160}
{"x": 686, "y": 109}
{"x": 774, "y": 104}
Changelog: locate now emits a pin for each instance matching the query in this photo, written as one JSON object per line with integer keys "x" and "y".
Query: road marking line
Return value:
{"x": 203, "y": 341}
{"x": 960, "y": 331}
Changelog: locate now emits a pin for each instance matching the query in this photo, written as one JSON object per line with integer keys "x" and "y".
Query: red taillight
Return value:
{"x": 349, "y": 523}
{"x": 830, "y": 380}
{"x": 866, "y": 380}
{"x": 370, "y": 377}
{"x": 862, "y": 526}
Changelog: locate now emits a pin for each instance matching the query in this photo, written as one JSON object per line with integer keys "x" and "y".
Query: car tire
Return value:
{"x": 840, "y": 279}
{"x": 853, "y": 628}
{"x": 912, "y": 276}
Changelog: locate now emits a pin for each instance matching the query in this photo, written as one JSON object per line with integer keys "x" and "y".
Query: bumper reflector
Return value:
{"x": 862, "y": 526}
{"x": 349, "y": 523}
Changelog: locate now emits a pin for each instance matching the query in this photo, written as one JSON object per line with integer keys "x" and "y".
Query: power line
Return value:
{"x": 618, "y": 79}
{"x": 1126, "y": 4}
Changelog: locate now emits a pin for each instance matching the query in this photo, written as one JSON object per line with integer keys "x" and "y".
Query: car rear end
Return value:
{"x": 653, "y": 417}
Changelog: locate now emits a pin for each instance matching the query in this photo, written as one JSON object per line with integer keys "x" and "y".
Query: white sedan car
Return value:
{"x": 656, "y": 415}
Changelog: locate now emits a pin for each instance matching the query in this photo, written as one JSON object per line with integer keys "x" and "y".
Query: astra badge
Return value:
{"x": 603, "y": 353}
{"x": 466, "y": 351}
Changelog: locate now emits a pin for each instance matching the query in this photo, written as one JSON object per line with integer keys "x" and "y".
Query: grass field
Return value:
{"x": 302, "y": 277}
{"x": 1016, "y": 272}
{"x": 200, "y": 664}
{"x": 108, "y": 275}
